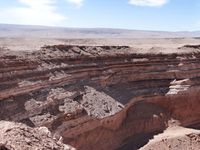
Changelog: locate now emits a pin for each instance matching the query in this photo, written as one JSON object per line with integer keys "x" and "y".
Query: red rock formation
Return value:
{"x": 100, "y": 97}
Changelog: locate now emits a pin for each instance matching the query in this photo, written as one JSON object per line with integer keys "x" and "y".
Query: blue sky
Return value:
{"x": 166, "y": 15}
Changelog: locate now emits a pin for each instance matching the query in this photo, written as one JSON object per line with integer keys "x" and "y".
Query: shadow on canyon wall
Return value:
{"x": 137, "y": 141}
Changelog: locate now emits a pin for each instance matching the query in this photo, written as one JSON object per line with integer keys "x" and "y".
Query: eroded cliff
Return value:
{"x": 100, "y": 97}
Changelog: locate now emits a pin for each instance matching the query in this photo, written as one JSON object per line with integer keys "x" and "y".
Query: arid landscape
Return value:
{"x": 98, "y": 89}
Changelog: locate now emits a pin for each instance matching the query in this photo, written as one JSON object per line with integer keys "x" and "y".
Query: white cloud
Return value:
{"x": 33, "y": 12}
{"x": 153, "y": 3}
{"x": 78, "y": 3}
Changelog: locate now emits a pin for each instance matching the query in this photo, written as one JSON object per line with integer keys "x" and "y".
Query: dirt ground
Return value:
{"x": 154, "y": 45}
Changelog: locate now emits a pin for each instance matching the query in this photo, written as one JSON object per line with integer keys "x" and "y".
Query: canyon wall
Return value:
{"x": 100, "y": 97}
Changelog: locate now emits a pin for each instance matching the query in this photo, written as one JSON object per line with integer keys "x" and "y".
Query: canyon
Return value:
{"x": 102, "y": 96}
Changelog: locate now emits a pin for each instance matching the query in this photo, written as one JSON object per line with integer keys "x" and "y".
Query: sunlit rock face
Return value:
{"x": 100, "y": 97}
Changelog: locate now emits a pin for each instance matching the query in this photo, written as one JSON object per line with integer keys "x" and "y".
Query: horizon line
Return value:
{"x": 104, "y": 28}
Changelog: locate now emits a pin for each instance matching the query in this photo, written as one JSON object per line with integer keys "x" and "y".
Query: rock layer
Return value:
{"x": 100, "y": 97}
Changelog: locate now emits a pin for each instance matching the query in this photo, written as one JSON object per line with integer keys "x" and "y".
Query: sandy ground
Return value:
{"x": 163, "y": 45}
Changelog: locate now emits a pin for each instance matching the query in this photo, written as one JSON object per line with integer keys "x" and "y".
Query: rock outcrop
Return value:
{"x": 175, "y": 138}
{"x": 17, "y": 136}
{"x": 100, "y": 97}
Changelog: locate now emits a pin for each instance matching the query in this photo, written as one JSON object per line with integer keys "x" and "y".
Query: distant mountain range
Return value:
{"x": 7, "y": 30}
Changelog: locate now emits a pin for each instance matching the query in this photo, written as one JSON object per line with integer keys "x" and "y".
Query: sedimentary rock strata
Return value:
{"x": 100, "y": 97}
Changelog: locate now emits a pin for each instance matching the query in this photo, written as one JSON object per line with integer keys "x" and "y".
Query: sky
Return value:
{"x": 160, "y": 15}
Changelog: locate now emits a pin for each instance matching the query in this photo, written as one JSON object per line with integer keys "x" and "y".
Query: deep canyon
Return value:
{"x": 101, "y": 97}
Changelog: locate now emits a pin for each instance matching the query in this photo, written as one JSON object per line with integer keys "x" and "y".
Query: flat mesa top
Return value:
{"x": 153, "y": 46}
{"x": 32, "y": 38}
